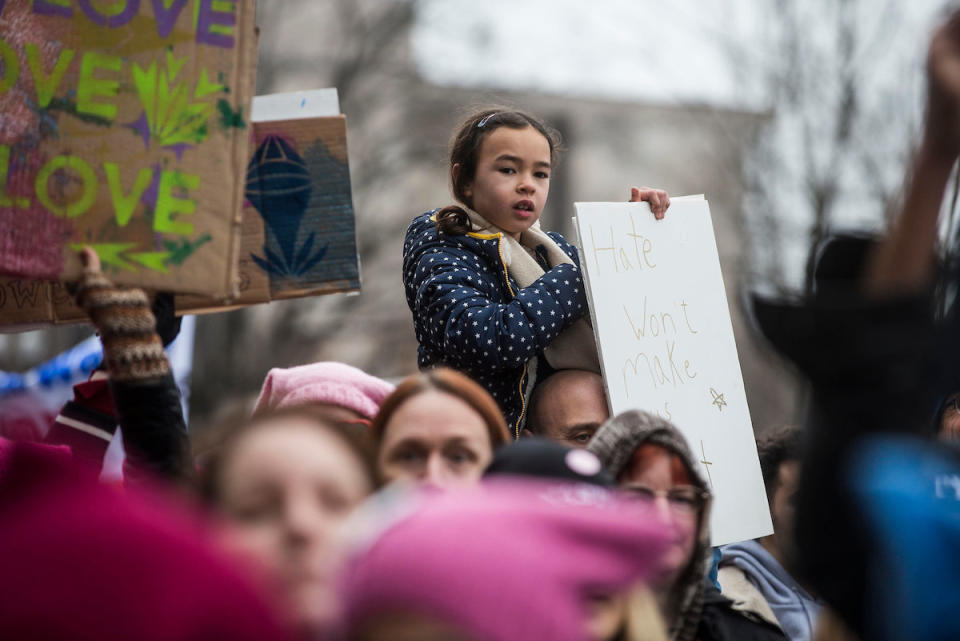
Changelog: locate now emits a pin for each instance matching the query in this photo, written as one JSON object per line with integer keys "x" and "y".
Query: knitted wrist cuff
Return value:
{"x": 131, "y": 348}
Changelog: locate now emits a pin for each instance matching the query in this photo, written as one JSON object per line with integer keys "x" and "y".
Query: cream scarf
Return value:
{"x": 575, "y": 347}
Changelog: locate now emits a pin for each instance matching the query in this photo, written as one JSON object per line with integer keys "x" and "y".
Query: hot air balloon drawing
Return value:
{"x": 278, "y": 186}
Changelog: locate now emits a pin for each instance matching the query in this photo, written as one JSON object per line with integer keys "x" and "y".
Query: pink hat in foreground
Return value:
{"x": 86, "y": 562}
{"x": 512, "y": 559}
{"x": 331, "y": 383}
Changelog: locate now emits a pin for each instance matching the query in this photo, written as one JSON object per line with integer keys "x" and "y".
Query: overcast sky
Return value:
{"x": 679, "y": 51}
{"x": 650, "y": 50}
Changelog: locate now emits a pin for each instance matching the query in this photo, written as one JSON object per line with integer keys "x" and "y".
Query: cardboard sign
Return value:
{"x": 126, "y": 127}
{"x": 296, "y": 105}
{"x": 298, "y": 181}
{"x": 666, "y": 344}
{"x": 298, "y": 236}
{"x": 299, "y": 231}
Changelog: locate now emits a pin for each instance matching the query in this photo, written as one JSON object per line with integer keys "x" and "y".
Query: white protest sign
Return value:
{"x": 666, "y": 344}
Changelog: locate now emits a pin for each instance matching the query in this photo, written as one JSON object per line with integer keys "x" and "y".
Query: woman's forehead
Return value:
{"x": 650, "y": 459}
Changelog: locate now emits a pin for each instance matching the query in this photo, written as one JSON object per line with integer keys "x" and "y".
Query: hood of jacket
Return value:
{"x": 794, "y": 607}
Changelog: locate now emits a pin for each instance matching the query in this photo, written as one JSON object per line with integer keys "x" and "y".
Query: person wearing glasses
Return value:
{"x": 651, "y": 461}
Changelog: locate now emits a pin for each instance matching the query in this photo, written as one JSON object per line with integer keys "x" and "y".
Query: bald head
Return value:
{"x": 568, "y": 407}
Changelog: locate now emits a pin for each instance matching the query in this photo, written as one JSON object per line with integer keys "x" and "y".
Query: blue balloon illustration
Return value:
{"x": 278, "y": 186}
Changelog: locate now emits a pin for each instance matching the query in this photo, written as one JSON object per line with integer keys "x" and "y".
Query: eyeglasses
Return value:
{"x": 683, "y": 499}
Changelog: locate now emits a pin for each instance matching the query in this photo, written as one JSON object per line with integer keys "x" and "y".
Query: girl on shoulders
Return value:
{"x": 491, "y": 293}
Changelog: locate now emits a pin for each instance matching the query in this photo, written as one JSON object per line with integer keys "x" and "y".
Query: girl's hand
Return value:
{"x": 658, "y": 199}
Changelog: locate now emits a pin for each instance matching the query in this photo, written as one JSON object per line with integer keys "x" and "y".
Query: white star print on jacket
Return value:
{"x": 469, "y": 314}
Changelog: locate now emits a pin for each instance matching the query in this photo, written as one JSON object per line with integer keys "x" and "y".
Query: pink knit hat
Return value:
{"x": 333, "y": 383}
{"x": 512, "y": 559}
{"x": 85, "y": 562}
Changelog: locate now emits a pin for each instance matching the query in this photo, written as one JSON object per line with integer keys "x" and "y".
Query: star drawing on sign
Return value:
{"x": 718, "y": 399}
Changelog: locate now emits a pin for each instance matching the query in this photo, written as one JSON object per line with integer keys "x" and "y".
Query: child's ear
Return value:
{"x": 455, "y": 174}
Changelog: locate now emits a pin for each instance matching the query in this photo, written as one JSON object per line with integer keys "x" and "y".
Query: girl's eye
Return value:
{"x": 542, "y": 174}
{"x": 507, "y": 170}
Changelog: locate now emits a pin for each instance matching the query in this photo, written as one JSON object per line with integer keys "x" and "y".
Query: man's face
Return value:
{"x": 571, "y": 408}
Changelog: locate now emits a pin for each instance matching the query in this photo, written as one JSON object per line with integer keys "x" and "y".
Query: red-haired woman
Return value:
{"x": 652, "y": 462}
{"x": 437, "y": 428}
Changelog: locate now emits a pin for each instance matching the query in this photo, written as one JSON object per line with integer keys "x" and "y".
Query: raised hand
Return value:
{"x": 659, "y": 200}
{"x": 903, "y": 262}
{"x": 942, "y": 133}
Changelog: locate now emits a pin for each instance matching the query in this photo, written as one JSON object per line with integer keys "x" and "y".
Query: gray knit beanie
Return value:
{"x": 618, "y": 438}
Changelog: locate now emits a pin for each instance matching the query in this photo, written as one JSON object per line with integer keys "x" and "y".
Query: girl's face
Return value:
{"x": 656, "y": 475}
{"x": 436, "y": 439}
{"x": 287, "y": 487}
{"x": 513, "y": 178}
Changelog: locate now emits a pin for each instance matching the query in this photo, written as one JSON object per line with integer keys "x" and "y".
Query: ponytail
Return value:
{"x": 454, "y": 221}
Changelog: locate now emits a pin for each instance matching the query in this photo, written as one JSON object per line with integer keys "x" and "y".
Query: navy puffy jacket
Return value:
{"x": 469, "y": 314}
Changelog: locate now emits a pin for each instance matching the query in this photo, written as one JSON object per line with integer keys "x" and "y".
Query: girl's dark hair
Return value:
{"x": 465, "y": 151}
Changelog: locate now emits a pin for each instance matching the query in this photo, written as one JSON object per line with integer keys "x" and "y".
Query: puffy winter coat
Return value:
{"x": 469, "y": 314}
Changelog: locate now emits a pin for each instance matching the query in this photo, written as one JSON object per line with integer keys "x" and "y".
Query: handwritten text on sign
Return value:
{"x": 124, "y": 129}
{"x": 98, "y": 78}
{"x": 666, "y": 344}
